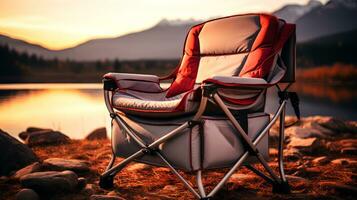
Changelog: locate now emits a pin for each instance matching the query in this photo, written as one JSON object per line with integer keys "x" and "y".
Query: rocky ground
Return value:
{"x": 321, "y": 163}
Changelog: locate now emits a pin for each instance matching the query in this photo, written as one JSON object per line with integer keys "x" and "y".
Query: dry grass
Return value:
{"x": 337, "y": 73}
{"x": 149, "y": 182}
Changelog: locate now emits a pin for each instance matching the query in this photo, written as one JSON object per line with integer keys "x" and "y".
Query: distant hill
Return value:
{"x": 166, "y": 39}
{"x": 22, "y": 46}
{"x": 292, "y": 12}
{"x": 327, "y": 50}
{"x": 336, "y": 16}
{"x": 163, "y": 41}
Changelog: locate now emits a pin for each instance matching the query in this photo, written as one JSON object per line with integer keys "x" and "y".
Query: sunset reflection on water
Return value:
{"x": 74, "y": 112}
{"x": 77, "y": 109}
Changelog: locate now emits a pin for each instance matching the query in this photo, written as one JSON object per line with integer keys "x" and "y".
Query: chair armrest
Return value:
{"x": 128, "y": 76}
{"x": 137, "y": 82}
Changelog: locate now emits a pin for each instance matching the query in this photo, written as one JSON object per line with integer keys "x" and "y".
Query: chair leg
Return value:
{"x": 106, "y": 179}
{"x": 280, "y": 184}
{"x": 106, "y": 182}
{"x": 111, "y": 162}
{"x": 283, "y": 187}
{"x": 199, "y": 183}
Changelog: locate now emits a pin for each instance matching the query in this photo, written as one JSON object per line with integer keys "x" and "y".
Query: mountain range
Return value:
{"x": 165, "y": 40}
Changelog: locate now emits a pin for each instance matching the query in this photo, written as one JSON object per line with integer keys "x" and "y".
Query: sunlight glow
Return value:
{"x": 58, "y": 24}
{"x": 69, "y": 111}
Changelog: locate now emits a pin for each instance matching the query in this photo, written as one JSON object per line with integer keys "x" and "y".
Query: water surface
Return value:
{"x": 77, "y": 109}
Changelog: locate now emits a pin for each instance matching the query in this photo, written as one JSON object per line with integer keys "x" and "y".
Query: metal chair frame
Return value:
{"x": 209, "y": 92}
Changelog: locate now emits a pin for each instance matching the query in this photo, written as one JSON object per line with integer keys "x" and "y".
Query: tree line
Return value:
{"x": 16, "y": 65}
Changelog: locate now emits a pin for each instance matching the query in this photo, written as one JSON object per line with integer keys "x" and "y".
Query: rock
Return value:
{"x": 305, "y": 171}
{"x": 13, "y": 154}
{"x": 302, "y": 132}
{"x": 333, "y": 124}
{"x": 318, "y": 129}
{"x": 344, "y": 161}
{"x": 339, "y": 187}
{"x": 302, "y": 143}
{"x": 348, "y": 143}
{"x": 169, "y": 188}
{"x": 25, "y": 134}
{"x": 312, "y": 171}
{"x": 88, "y": 189}
{"x": 82, "y": 182}
{"x": 113, "y": 193}
{"x": 307, "y": 145}
{"x": 60, "y": 164}
{"x": 50, "y": 181}
{"x": 242, "y": 178}
{"x": 137, "y": 167}
{"x": 321, "y": 160}
{"x": 45, "y": 137}
{"x": 99, "y": 133}
{"x": 34, "y": 167}
{"x": 35, "y": 129}
{"x": 27, "y": 194}
{"x": 105, "y": 197}
{"x": 4, "y": 179}
{"x": 292, "y": 154}
{"x": 349, "y": 150}
{"x": 292, "y": 178}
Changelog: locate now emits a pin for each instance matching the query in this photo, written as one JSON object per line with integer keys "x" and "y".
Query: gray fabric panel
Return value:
{"x": 195, "y": 148}
{"x": 225, "y": 65}
{"x": 229, "y": 35}
{"x": 223, "y": 147}
{"x": 177, "y": 150}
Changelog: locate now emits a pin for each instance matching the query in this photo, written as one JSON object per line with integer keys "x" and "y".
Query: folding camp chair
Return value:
{"x": 212, "y": 115}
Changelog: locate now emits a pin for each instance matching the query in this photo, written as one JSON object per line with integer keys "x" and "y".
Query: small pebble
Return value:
{"x": 26, "y": 194}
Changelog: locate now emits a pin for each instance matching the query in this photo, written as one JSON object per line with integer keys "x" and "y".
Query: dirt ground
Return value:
{"x": 325, "y": 172}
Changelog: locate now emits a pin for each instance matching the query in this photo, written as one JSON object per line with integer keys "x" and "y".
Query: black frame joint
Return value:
{"x": 193, "y": 123}
{"x": 112, "y": 115}
{"x": 148, "y": 150}
{"x": 283, "y": 95}
{"x": 109, "y": 84}
{"x": 208, "y": 90}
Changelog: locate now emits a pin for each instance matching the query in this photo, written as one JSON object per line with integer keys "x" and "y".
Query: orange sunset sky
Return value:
{"x": 58, "y": 24}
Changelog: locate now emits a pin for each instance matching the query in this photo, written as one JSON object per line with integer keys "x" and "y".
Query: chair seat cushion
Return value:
{"x": 154, "y": 104}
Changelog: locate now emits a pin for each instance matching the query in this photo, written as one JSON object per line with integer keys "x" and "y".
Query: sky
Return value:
{"x": 59, "y": 24}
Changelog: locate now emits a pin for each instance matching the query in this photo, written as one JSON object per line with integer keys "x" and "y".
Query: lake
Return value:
{"x": 77, "y": 109}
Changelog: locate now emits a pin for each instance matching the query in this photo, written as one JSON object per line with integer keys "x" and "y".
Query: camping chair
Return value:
{"x": 212, "y": 115}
